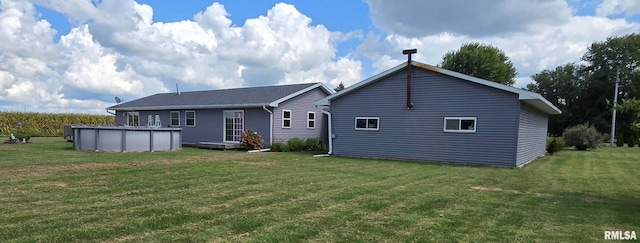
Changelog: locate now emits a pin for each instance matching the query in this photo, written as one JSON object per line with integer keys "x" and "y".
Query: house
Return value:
{"x": 437, "y": 115}
{"x": 220, "y": 116}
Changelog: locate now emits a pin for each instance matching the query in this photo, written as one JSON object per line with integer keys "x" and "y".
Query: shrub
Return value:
{"x": 582, "y": 137}
{"x": 251, "y": 140}
{"x": 632, "y": 141}
{"x": 620, "y": 141}
{"x": 555, "y": 145}
{"x": 295, "y": 144}
{"x": 315, "y": 144}
{"x": 552, "y": 146}
{"x": 279, "y": 146}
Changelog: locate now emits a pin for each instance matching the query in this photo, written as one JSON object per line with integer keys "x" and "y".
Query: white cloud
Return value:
{"x": 115, "y": 48}
{"x": 613, "y": 7}
{"x": 412, "y": 18}
{"x": 531, "y": 51}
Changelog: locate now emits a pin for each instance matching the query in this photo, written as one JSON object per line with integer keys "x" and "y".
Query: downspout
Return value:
{"x": 330, "y": 143}
{"x": 264, "y": 107}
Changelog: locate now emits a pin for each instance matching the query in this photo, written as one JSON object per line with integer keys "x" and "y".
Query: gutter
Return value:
{"x": 109, "y": 112}
{"x": 264, "y": 107}
{"x": 330, "y": 142}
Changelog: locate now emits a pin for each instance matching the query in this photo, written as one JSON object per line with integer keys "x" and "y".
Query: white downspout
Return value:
{"x": 330, "y": 143}
{"x": 264, "y": 107}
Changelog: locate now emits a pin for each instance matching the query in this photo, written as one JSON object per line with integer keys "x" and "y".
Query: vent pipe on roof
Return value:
{"x": 409, "y": 52}
{"x": 177, "y": 89}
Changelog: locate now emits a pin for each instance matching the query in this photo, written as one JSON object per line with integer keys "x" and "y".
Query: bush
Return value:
{"x": 279, "y": 146}
{"x": 315, "y": 144}
{"x": 552, "y": 146}
{"x": 555, "y": 145}
{"x": 295, "y": 144}
{"x": 632, "y": 141}
{"x": 251, "y": 140}
{"x": 582, "y": 137}
{"x": 620, "y": 141}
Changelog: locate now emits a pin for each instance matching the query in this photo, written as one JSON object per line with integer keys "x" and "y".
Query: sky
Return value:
{"x": 76, "y": 56}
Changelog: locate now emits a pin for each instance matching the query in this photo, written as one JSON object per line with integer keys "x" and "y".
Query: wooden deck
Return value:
{"x": 223, "y": 146}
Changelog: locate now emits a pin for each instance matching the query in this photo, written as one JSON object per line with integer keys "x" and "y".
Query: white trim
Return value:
{"x": 290, "y": 119}
{"x": 532, "y": 98}
{"x": 133, "y": 113}
{"x": 224, "y": 124}
{"x": 270, "y": 124}
{"x": 311, "y": 120}
{"x": 460, "y": 119}
{"x": 367, "y": 118}
{"x": 186, "y": 124}
{"x": 302, "y": 91}
{"x": 171, "y": 118}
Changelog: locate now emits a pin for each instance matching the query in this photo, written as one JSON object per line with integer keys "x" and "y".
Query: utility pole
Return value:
{"x": 615, "y": 103}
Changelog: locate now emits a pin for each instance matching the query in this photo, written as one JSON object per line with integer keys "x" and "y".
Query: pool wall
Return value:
{"x": 126, "y": 139}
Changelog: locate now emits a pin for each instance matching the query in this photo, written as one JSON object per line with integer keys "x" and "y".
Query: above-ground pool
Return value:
{"x": 126, "y": 139}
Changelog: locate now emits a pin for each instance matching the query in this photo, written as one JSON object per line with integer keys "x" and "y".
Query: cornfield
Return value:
{"x": 46, "y": 124}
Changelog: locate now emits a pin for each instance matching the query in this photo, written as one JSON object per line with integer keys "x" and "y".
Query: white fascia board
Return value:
{"x": 186, "y": 107}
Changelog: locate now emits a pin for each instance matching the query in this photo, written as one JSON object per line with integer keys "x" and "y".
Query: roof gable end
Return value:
{"x": 528, "y": 97}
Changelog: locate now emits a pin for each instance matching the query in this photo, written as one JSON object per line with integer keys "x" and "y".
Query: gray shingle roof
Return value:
{"x": 222, "y": 98}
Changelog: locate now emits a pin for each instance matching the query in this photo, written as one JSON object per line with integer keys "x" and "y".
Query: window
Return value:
{"x": 233, "y": 125}
{"x": 175, "y": 118}
{"x": 133, "y": 119}
{"x": 460, "y": 124}
{"x": 190, "y": 118}
{"x": 311, "y": 120}
{"x": 367, "y": 123}
{"x": 286, "y": 119}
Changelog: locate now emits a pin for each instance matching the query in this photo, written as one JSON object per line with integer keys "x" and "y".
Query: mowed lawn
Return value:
{"x": 49, "y": 192}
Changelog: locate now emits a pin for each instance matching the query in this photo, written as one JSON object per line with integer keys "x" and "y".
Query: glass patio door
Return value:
{"x": 233, "y": 126}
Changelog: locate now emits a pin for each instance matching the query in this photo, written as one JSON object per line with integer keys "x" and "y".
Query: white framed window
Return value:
{"x": 175, "y": 118}
{"x": 190, "y": 118}
{"x": 368, "y": 123}
{"x": 133, "y": 119}
{"x": 460, "y": 124}
{"x": 286, "y": 118}
{"x": 311, "y": 120}
{"x": 233, "y": 125}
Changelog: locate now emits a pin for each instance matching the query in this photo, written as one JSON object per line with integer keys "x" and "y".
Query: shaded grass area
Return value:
{"x": 49, "y": 192}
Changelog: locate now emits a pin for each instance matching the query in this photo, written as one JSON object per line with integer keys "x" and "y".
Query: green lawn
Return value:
{"x": 49, "y": 192}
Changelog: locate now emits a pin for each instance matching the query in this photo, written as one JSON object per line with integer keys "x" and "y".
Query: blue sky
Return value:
{"x": 76, "y": 55}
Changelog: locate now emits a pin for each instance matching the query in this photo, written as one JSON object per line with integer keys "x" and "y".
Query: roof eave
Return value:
{"x": 326, "y": 101}
{"x": 276, "y": 103}
{"x": 542, "y": 104}
{"x": 187, "y": 107}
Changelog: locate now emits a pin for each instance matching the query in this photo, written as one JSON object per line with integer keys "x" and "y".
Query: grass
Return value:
{"x": 49, "y": 192}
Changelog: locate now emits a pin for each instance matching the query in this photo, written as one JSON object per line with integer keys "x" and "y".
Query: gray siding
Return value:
{"x": 209, "y": 123}
{"x": 532, "y": 135}
{"x": 417, "y": 134}
{"x": 299, "y": 107}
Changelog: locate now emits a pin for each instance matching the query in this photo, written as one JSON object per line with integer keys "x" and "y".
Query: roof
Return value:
{"x": 534, "y": 99}
{"x": 223, "y": 98}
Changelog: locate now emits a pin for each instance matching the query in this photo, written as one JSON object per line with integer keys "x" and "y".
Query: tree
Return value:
{"x": 481, "y": 61}
{"x": 603, "y": 60}
{"x": 561, "y": 87}
{"x": 339, "y": 87}
{"x": 584, "y": 93}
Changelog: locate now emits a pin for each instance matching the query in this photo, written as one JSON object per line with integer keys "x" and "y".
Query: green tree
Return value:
{"x": 603, "y": 60}
{"x": 561, "y": 87}
{"x": 584, "y": 93}
{"x": 482, "y": 61}
{"x": 339, "y": 87}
